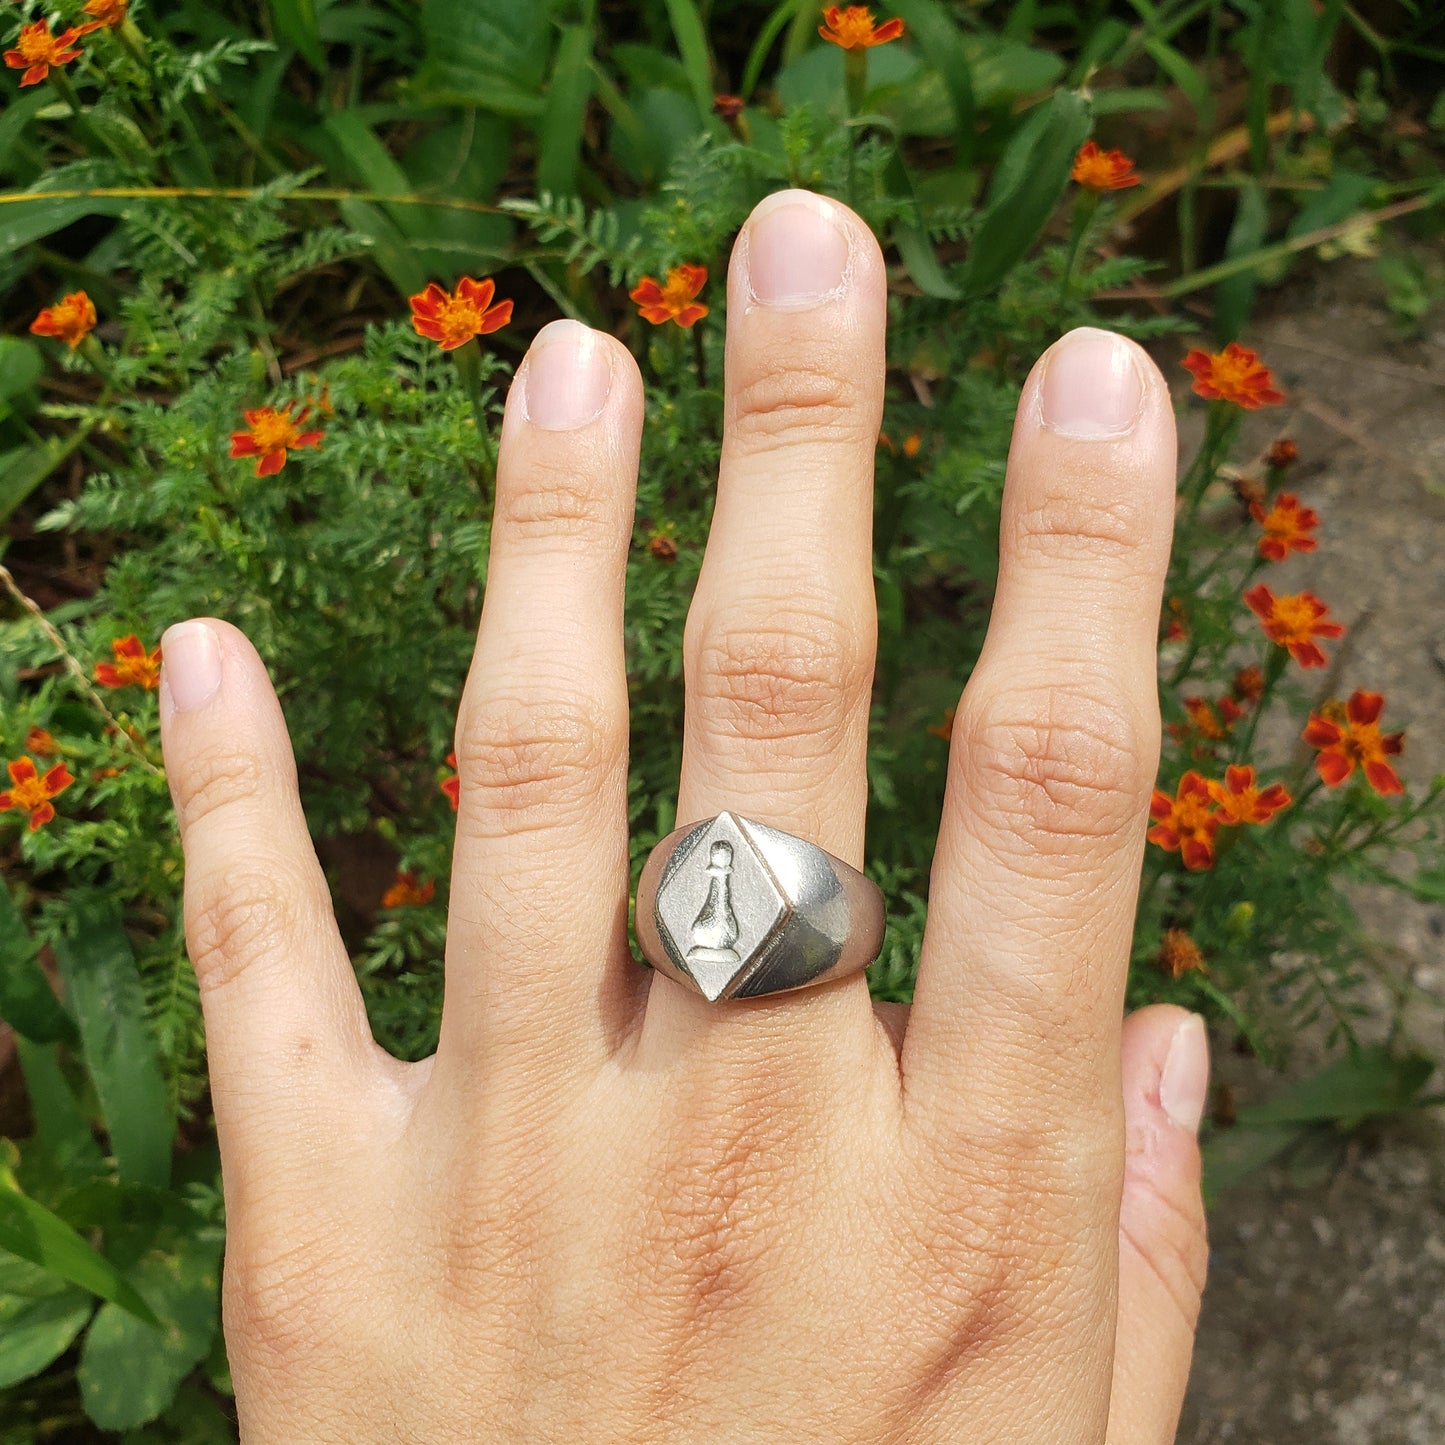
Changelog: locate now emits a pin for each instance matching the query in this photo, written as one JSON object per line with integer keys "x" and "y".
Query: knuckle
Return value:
{"x": 1057, "y": 765}
{"x": 522, "y": 761}
{"x": 278, "y": 1305}
{"x": 246, "y": 917}
{"x": 553, "y": 503}
{"x": 218, "y": 780}
{"x": 1082, "y": 522}
{"x": 787, "y": 679}
{"x": 801, "y": 405}
{"x": 1170, "y": 1237}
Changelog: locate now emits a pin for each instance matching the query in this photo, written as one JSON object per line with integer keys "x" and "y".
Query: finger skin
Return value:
{"x": 537, "y": 959}
{"x": 1163, "y": 1250}
{"x": 286, "y": 1030}
{"x": 1053, "y": 755}
{"x": 781, "y": 635}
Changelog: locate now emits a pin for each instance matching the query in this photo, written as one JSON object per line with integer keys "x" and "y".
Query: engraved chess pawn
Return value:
{"x": 715, "y": 929}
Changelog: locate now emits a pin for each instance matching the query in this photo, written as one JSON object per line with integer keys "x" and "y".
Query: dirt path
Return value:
{"x": 1324, "y": 1320}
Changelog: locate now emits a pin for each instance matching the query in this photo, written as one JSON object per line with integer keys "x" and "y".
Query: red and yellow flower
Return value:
{"x": 1287, "y": 527}
{"x": 70, "y": 320}
{"x": 452, "y": 786}
{"x": 1294, "y": 621}
{"x": 104, "y": 15}
{"x": 1349, "y": 737}
{"x": 41, "y": 742}
{"x": 728, "y": 107}
{"x": 1248, "y": 685}
{"x": 452, "y": 318}
{"x": 271, "y": 434}
{"x": 944, "y": 729}
{"x": 31, "y": 793}
{"x": 408, "y": 892}
{"x": 1240, "y": 799}
{"x": 1101, "y": 170}
{"x": 854, "y": 28}
{"x": 1186, "y": 823}
{"x": 1179, "y": 954}
{"x": 674, "y": 299}
{"x": 1210, "y": 722}
{"x": 133, "y": 665}
{"x": 1235, "y": 374}
{"x": 1282, "y": 454}
{"x": 37, "y": 52}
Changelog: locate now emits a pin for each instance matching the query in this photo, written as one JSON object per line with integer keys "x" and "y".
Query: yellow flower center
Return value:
{"x": 854, "y": 27}
{"x": 30, "y": 794}
{"x": 459, "y": 320}
{"x": 1191, "y": 813}
{"x": 37, "y": 45}
{"x": 274, "y": 431}
{"x": 1294, "y": 619}
{"x": 677, "y": 294}
{"x": 1362, "y": 742}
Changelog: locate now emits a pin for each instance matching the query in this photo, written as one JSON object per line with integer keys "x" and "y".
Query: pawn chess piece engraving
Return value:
{"x": 715, "y": 929}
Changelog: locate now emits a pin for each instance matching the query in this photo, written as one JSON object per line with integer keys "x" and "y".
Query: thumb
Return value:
{"x": 1163, "y": 1252}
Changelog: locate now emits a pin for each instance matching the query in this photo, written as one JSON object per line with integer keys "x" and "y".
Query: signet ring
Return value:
{"x": 735, "y": 909}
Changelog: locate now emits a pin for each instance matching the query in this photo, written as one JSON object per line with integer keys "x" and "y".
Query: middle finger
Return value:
{"x": 781, "y": 635}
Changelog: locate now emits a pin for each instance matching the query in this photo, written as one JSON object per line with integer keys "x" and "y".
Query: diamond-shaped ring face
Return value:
{"x": 718, "y": 906}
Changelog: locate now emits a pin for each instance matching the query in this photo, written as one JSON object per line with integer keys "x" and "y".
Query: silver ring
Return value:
{"x": 735, "y": 909}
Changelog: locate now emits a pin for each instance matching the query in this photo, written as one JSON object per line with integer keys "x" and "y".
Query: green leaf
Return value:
{"x": 560, "y": 137}
{"x": 1234, "y": 296}
{"x": 1031, "y": 176}
{"x": 103, "y": 987}
{"x": 1371, "y": 1082}
{"x": 1192, "y": 82}
{"x": 692, "y": 46}
{"x": 20, "y": 368}
{"x": 938, "y": 40}
{"x": 27, "y": 1001}
{"x": 38, "y": 1330}
{"x": 127, "y": 1374}
{"x": 767, "y": 37}
{"x": 17, "y": 114}
{"x": 1429, "y": 885}
{"x": 22, "y": 469}
{"x": 27, "y": 216}
{"x": 30, "y": 1230}
{"x": 295, "y": 22}
{"x": 487, "y": 54}
{"x": 61, "y": 1129}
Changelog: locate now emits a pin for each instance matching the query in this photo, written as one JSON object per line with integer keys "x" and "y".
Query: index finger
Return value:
{"x": 1054, "y": 750}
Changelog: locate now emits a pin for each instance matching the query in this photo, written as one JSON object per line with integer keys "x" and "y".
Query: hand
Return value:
{"x": 606, "y": 1210}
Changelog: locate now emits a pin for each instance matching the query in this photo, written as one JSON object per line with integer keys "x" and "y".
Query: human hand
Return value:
{"x": 607, "y": 1210}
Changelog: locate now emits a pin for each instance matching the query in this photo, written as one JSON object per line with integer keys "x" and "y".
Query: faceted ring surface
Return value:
{"x": 735, "y": 909}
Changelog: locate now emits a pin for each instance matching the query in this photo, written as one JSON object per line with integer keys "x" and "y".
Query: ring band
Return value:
{"x": 735, "y": 909}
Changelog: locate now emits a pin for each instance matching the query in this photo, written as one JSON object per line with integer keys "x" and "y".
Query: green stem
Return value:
{"x": 855, "y": 79}
{"x": 469, "y": 363}
{"x": 1273, "y": 671}
{"x": 1084, "y": 209}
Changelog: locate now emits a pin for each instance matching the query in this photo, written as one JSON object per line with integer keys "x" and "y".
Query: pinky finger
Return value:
{"x": 286, "y": 1030}
{"x": 1162, "y": 1246}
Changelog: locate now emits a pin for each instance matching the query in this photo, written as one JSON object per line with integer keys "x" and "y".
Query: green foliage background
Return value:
{"x": 249, "y": 198}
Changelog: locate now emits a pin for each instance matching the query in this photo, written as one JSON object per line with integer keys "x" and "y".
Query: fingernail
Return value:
{"x": 190, "y": 665}
{"x": 567, "y": 377}
{"x": 1092, "y": 387}
{"x": 797, "y": 250}
{"x": 1184, "y": 1082}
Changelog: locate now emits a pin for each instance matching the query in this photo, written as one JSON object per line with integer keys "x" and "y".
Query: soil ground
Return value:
{"x": 1324, "y": 1319}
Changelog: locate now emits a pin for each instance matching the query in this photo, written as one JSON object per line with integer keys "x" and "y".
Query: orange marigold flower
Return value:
{"x": 1350, "y": 738}
{"x": 1234, "y": 374}
{"x": 728, "y": 107}
{"x": 912, "y": 445}
{"x": 452, "y": 318}
{"x": 1102, "y": 170}
{"x": 944, "y": 729}
{"x": 854, "y": 28}
{"x": 1287, "y": 527}
{"x": 1248, "y": 685}
{"x": 41, "y": 743}
{"x": 70, "y": 320}
{"x": 1241, "y": 800}
{"x": 1294, "y": 621}
{"x": 271, "y": 434}
{"x": 37, "y": 51}
{"x": 1187, "y": 822}
{"x": 408, "y": 892}
{"x": 133, "y": 665}
{"x": 1282, "y": 453}
{"x": 1176, "y": 629}
{"x": 104, "y": 15}
{"x": 1179, "y": 954}
{"x": 32, "y": 793}
{"x": 662, "y": 545}
{"x": 673, "y": 300}
{"x": 1210, "y": 721}
{"x": 452, "y": 786}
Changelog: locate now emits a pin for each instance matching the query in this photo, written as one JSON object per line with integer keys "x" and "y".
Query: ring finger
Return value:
{"x": 780, "y": 639}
